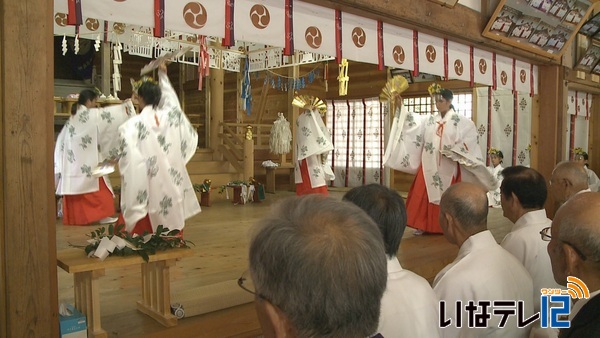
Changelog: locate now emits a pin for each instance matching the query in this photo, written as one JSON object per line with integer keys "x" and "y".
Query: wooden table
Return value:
{"x": 270, "y": 184}
{"x": 156, "y": 283}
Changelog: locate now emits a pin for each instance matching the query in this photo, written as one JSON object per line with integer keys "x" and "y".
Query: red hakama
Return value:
{"x": 87, "y": 208}
{"x": 421, "y": 214}
{"x": 305, "y": 187}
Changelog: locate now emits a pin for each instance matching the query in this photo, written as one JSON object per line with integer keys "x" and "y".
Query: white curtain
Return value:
{"x": 579, "y": 105}
{"x": 504, "y": 123}
{"x": 357, "y": 129}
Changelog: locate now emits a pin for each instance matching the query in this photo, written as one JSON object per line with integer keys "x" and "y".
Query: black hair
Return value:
{"x": 448, "y": 96}
{"x": 150, "y": 92}
{"x": 527, "y": 184}
{"x": 84, "y": 96}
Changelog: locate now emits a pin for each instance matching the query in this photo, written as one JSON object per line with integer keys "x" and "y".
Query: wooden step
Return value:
{"x": 201, "y": 167}
{"x": 203, "y": 154}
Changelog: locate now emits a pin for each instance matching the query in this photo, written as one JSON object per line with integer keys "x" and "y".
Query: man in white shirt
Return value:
{"x": 574, "y": 250}
{"x": 523, "y": 194}
{"x": 409, "y": 307}
{"x": 482, "y": 271}
{"x": 567, "y": 180}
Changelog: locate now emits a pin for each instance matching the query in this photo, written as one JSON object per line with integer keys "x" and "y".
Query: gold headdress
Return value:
{"x": 135, "y": 85}
{"x": 393, "y": 87}
{"x": 494, "y": 151}
{"x": 435, "y": 89}
{"x": 310, "y": 102}
{"x": 579, "y": 151}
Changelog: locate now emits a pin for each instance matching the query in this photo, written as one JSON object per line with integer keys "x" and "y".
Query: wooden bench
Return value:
{"x": 156, "y": 283}
{"x": 270, "y": 184}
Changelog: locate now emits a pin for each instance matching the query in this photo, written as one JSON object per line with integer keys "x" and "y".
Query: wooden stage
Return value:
{"x": 220, "y": 234}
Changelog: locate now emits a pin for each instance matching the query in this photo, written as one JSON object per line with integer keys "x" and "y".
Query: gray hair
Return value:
{"x": 580, "y": 227}
{"x": 322, "y": 262}
{"x": 468, "y": 204}
{"x": 573, "y": 172}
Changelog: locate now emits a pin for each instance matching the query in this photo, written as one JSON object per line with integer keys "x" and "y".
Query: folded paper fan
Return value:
{"x": 393, "y": 87}
{"x": 310, "y": 102}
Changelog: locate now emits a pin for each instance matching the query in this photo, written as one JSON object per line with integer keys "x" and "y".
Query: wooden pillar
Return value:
{"x": 594, "y": 141}
{"x": 105, "y": 71}
{"x": 216, "y": 109}
{"x": 248, "y": 154}
{"x": 28, "y": 277}
{"x": 292, "y": 117}
{"x": 550, "y": 119}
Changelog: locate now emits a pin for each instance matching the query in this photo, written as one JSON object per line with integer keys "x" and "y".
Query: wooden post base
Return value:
{"x": 87, "y": 300}
{"x": 156, "y": 292}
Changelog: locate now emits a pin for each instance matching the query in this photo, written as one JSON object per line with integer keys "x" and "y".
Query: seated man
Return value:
{"x": 567, "y": 180}
{"x": 319, "y": 269}
{"x": 523, "y": 196}
{"x": 483, "y": 270}
{"x": 574, "y": 250}
{"x": 409, "y": 308}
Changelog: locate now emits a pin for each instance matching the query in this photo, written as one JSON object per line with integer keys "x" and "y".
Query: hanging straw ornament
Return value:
{"x": 76, "y": 45}
{"x": 97, "y": 43}
{"x": 64, "y": 45}
{"x": 281, "y": 136}
{"x": 343, "y": 77}
{"x": 393, "y": 87}
{"x": 310, "y": 103}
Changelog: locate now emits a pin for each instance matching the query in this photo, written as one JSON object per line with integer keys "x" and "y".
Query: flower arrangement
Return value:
{"x": 579, "y": 151}
{"x": 126, "y": 245}
{"x": 204, "y": 187}
{"x": 434, "y": 89}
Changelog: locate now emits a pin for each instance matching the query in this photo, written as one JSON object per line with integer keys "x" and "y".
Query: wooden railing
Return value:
{"x": 235, "y": 147}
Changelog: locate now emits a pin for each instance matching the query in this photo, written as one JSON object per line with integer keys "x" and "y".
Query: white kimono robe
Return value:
{"x": 409, "y": 307}
{"x": 437, "y": 144}
{"x": 494, "y": 195}
{"x": 153, "y": 164}
{"x": 593, "y": 180}
{"x": 312, "y": 140}
{"x": 483, "y": 270}
{"x": 90, "y": 136}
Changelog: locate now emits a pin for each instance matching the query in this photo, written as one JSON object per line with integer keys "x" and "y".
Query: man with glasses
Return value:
{"x": 319, "y": 269}
{"x": 482, "y": 271}
{"x": 574, "y": 249}
{"x": 567, "y": 180}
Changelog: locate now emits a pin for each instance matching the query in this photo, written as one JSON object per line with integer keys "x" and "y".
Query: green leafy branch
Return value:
{"x": 148, "y": 244}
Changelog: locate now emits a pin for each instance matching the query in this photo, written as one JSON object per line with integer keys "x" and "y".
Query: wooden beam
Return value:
{"x": 28, "y": 276}
{"x": 552, "y": 112}
{"x": 460, "y": 24}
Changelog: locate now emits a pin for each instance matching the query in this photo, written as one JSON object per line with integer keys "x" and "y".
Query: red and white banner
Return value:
{"x": 482, "y": 67}
{"x": 260, "y": 21}
{"x": 359, "y": 38}
{"x": 398, "y": 47}
{"x": 523, "y": 77}
{"x": 459, "y": 61}
{"x": 203, "y": 17}
{"x": 314, "y": 28}
{"x": 135, "y": 12}
{"x": 61, "y": 9}
{"x": 91, "y": 28}
{"x": 431, "y": 54}
{"x": 504, "y": 72}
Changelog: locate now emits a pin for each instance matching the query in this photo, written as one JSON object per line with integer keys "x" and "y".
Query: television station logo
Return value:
{"x": 554, "y": 310}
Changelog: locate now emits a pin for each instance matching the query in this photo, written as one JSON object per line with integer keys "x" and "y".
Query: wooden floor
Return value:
{"x": 221, "y": 234}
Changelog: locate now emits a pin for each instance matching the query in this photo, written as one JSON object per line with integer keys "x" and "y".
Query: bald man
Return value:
{"x": 574, "y": 250}
{"x": 483, "y": 270}
{"x": 567, "y": 180}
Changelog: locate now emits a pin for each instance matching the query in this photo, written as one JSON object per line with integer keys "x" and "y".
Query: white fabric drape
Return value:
{"x": 497, "y": 125}
{"x": 579, "y": 107}
{"x": 356, "y": 128}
